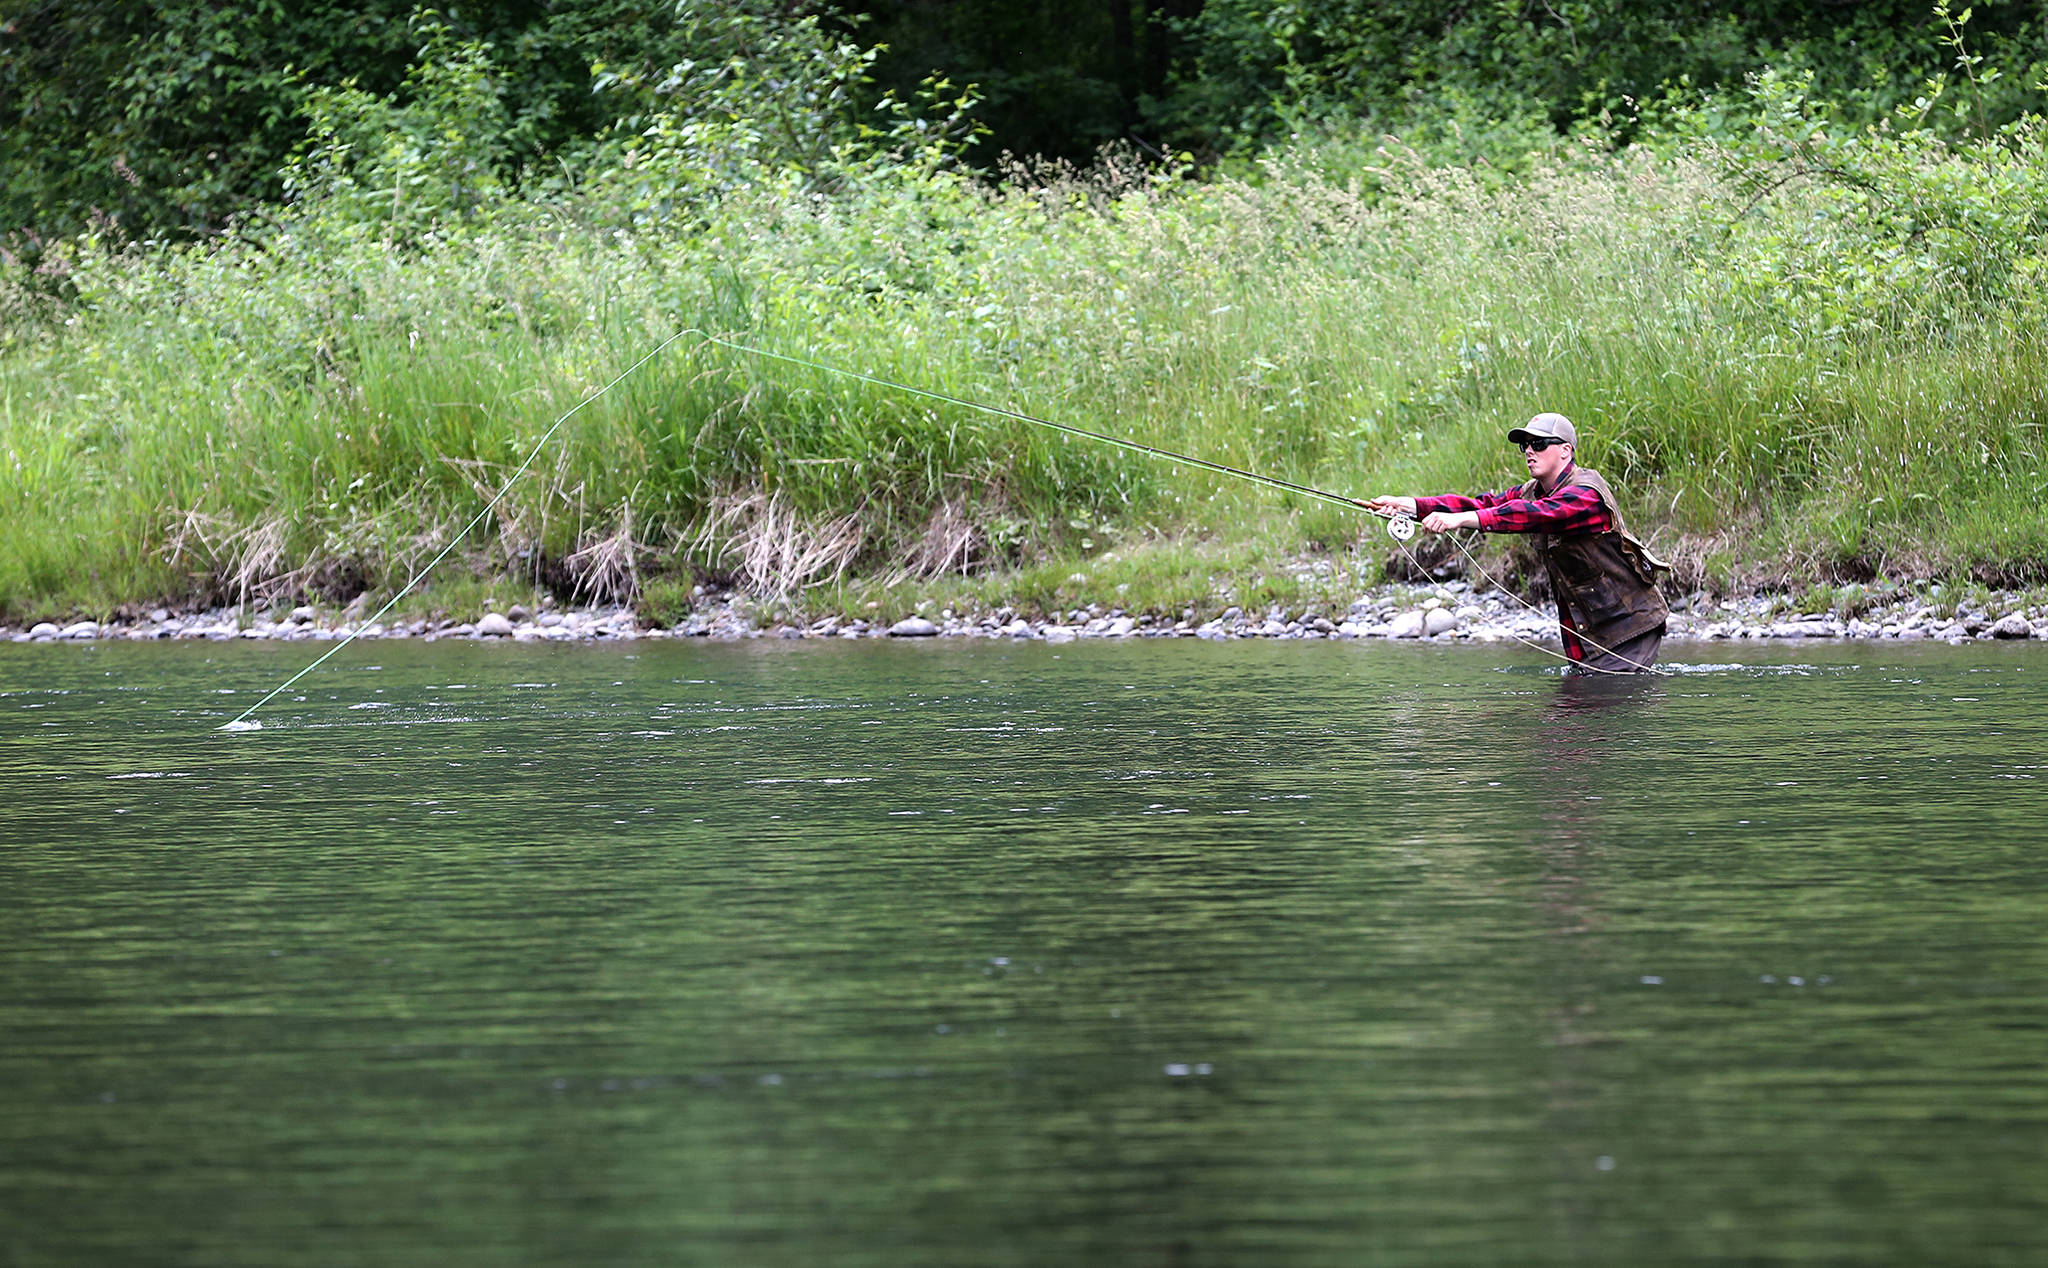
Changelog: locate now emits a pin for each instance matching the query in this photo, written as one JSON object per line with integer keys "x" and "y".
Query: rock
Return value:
{"x": 1122, "y": 627}
{"x": 517, "y": 612}
{"x": 303, "y": 613}
{"x": 1803, "y": 628}
{"x": 1406, "y": 625}
{"x": 80, "y": 629}
{"x": 1439, "y": 621}
{"x": 159, "y": 615}
{"x": 913, "y": 627}
{"x": 1059, "y": 634}
{"x": 494, "y": 625}
{"x": 44, "y": 629}
{"x": 2014, "y": 626}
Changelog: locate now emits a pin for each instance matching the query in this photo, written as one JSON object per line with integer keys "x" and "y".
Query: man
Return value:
{"x": 1609, "y": 612}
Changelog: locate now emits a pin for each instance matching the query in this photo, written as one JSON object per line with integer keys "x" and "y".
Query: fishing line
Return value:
{"x": 242, "y": 723}
{"x": 1400, "y": 527}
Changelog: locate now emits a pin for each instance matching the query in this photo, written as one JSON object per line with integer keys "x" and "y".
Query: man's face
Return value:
{"x": 1548, "y": 462}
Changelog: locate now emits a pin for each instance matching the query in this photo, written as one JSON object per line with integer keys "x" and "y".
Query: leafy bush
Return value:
{"x": 409, "y": 167}
{"x": 1881, "y": 227}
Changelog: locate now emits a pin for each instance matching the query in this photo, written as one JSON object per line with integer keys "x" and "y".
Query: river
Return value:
{"x": 1144, "y": 952}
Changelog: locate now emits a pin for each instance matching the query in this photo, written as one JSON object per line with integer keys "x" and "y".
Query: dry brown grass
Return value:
{"x": 237, "y": 563}
{"x": 771, "y": 549}
{"x": 952, "y": 542}
{"x": 607, "y": 569}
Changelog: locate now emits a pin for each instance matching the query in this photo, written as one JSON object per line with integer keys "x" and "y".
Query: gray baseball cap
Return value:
{"x": 1546, "y": 427}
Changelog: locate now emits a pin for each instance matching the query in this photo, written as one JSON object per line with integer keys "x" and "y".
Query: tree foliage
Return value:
{"x": 165, "y": 117}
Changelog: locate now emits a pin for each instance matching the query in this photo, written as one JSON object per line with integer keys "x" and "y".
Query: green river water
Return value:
{"x": 1139, "y": 953}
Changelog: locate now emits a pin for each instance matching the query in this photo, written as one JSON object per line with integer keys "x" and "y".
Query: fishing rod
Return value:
{"x": 1338, "y": 499}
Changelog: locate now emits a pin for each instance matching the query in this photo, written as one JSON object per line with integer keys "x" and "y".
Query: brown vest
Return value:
{"x": 1608, "y": 580}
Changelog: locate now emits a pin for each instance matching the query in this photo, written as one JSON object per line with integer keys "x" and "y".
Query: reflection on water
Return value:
{"x": 1138, "y": 953}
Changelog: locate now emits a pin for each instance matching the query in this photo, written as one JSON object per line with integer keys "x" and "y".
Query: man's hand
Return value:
{"x": 1447, "y": 521}
{"x": 1392, "y": 506}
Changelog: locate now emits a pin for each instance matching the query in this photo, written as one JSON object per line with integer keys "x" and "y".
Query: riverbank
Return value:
{"x": 1450, "y": 612}
{"x": 315, "y": 414}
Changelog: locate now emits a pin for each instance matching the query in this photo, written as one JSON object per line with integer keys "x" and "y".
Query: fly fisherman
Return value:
{"x": 1609, "y": 612}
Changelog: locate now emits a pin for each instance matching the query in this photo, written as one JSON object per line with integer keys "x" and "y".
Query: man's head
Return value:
{"x": 1547, "y": 442}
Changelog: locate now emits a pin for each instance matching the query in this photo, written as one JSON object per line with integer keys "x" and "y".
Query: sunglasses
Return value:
{"x": 1538, "y": 446}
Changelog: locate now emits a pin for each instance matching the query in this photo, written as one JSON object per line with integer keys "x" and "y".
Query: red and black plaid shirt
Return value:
{"x": 1570, "y": 508}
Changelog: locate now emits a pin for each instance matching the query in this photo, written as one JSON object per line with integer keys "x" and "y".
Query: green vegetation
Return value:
{"x": 1807, "y": 349}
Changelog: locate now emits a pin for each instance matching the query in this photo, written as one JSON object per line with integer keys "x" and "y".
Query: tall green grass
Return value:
{"x": 312, "y": 411}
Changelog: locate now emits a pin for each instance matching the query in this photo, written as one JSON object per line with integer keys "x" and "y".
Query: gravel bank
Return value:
{"x": 1450, "y": 612}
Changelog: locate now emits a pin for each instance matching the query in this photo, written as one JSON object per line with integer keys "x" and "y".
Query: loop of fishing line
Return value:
{"x": 1401, "y": 537}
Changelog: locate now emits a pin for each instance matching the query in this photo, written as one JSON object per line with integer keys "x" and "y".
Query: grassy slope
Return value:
{"x": 320, "y": 412}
